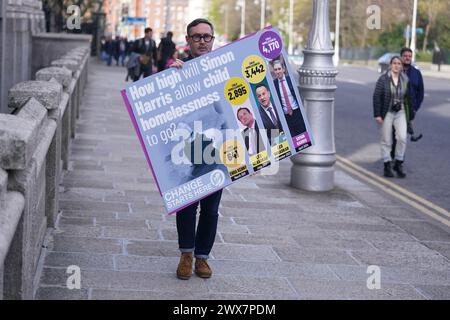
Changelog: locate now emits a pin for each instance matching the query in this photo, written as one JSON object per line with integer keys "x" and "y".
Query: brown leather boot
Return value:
{"x": 202, "y": 268}
{"x": 184, "y": 270}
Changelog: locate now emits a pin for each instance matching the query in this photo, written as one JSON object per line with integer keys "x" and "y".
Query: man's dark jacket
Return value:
{"x": 151, "y": 51}
{"x": 268, "y": 124}
{"x": 416, "y": 88}
{"x": 246, "y": 135}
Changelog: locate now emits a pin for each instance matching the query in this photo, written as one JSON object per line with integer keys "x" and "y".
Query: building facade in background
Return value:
{"x": 160, "y": 15}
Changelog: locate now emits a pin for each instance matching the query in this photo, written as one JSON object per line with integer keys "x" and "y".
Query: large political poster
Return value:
{"x": 220, "y": 118}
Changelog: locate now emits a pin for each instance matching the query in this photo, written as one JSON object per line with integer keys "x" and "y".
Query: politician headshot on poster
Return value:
{"x": 252, "y": 137}
{"x": 268, "y": 112}
{"x": 288, "y": 100}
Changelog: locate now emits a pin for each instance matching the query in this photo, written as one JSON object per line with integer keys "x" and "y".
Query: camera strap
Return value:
{"x": 398, "y": 93}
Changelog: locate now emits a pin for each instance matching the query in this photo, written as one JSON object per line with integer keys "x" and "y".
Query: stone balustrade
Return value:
{"x": 34, "y": 146}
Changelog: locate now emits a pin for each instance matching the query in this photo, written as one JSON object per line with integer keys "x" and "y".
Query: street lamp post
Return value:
{"x": 291, "y": 27}
{"x": 226, "y": 22}
{"x": 263, "y": 14}
{"x": 336, "y": 33}
{"x": 414, "y": 26}
{"x": 241, "y": 4}
{"x": 313, "y": 169}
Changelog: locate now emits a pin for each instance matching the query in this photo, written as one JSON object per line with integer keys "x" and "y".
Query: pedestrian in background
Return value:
{"x": 103, "y": 55}
{"x": 165, "y": 50}
{"x": 147, "y": 51}
{"x": 173, "y": 57}
{"x": 133, "y": 67}
{"x": 391, "y": 109}
{"x": 109, "y": 50}
{"x": 416, "y": 91}
{"x": 116, "y": 51}
{"x": 121, "y": 48}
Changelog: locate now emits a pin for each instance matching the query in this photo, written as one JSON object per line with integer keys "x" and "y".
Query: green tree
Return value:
{"x": 395, "y": 16}
{"x": 227, "y": 17}
{"x": 429, "y": 11}
{"x": 57, "y": 11}
{"x": 393, "y": 40}
{"x": 441, "y": 31}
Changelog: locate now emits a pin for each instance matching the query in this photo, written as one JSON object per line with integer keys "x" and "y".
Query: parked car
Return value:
{"x": 384, "y": 61}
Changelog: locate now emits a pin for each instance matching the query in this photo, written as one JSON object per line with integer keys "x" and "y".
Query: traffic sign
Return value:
{"x": 134, "y": 21}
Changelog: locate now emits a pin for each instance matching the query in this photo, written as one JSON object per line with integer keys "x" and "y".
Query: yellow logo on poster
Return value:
{"x": 254, "y": 69}
{"x": 232, "y": 154}
{"x": 236, "y": 91}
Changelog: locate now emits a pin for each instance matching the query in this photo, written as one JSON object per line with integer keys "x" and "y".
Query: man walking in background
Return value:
{"x": 146, "y": 48}
{"x": 416, "y": 88}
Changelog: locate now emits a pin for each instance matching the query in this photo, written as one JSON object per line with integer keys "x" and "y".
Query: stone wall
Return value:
{"x": 20, "y": 20}
{"x": 34, "y": 144}
{"x": 50, "y": 46}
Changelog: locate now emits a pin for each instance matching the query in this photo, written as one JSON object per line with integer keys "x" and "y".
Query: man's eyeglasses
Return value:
{"x": 198, "y": 37}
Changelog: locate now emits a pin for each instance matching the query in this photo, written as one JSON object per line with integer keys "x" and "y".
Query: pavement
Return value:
{"x": 436, "y": 74}
{"x": 273, "y": 241}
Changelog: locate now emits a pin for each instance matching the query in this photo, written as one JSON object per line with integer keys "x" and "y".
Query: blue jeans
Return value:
{"x": 109, "y": 60}
{"x": 200, "y": 242}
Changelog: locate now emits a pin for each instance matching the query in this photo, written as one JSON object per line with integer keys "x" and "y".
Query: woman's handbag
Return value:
{"x": 144, "y": 60}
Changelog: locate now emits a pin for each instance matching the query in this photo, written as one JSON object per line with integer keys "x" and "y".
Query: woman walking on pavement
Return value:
{"x": 391, "y": 109}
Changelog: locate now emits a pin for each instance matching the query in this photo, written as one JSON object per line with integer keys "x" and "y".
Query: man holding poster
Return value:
{"x": 200, "y": 38}
{"x": 191, "y": 119}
